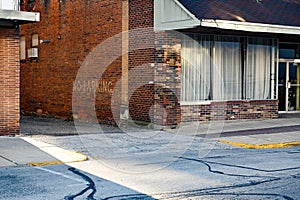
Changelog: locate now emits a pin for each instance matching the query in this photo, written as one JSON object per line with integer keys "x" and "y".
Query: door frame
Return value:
{"x": 287, "y": 83}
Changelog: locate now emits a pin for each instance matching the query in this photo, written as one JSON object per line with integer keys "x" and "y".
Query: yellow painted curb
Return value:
{"x": 35, "y": 164}
{"x": 262, "y": 146}
{"x": 79, "y": 158}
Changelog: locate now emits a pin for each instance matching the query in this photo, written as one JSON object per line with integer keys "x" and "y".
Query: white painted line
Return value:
{"x": 61, "y": 174}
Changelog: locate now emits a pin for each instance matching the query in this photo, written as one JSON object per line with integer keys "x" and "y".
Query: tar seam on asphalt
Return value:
{"x": 90, "y": 184}
{"x": 238, "y": 166}
{"x": 215, "y": 191}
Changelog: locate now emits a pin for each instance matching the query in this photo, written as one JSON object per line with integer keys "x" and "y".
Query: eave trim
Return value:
{"x": 19, "y": 17}
{"x": 250, "y": 27}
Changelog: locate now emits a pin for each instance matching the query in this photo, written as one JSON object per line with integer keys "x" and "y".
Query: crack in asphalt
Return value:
{"x": 239, "y": 166}
{"x": 131, "y": 196}
{"x": 90, "y": 184}
{"x": 215, "y": 191}
{"x": 212, "y": 191}
{"x": 246, "y": 195}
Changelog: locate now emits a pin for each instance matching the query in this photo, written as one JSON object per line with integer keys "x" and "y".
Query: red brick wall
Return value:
{"x": 9, "y": 81}
{"x": 230, "y": 110}
{"x": 74, "y": 29}
{"x": 141, "y": 74}
{"x": 156, "y": 102}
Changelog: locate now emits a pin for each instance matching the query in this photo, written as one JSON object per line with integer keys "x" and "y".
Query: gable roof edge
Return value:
{"x": 250, "y": 26}
{"x": 186, "y": 10}
{"x": 160, "y": 23}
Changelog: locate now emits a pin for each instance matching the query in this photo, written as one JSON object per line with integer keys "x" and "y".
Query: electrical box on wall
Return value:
{"x": 33, "y": 52}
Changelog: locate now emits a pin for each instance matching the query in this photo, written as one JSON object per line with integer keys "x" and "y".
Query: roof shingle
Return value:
{"x": 281, "y": 12}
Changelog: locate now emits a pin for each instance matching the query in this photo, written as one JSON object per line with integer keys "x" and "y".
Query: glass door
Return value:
{"x": 289, "y": 85}
{"x": 294, "y": 89}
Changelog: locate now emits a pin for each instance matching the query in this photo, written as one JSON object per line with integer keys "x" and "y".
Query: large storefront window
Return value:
{"x": 196, "y": 59}
{"x": 260, "y": 56}
{"x": 226, "y": 68}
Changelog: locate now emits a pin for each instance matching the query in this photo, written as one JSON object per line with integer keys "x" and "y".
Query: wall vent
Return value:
{"x": 33, "y": 52}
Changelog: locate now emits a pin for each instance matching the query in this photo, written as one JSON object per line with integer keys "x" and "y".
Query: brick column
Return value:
{"x": 9, "y": 81}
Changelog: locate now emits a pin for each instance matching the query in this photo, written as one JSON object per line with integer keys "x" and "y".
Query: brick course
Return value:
{"x": 74, "y": 29}
{"x": 141, "y": 74}
{"x": 9, "y": 81}
{"x": 230, "y": 110}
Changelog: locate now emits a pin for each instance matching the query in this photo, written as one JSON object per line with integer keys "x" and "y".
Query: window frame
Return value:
{"x": 243, "y": 43}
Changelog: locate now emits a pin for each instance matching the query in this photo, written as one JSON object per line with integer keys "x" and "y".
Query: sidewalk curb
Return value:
{"x": 63, "y": 156}
{"x": 262, "y": 146}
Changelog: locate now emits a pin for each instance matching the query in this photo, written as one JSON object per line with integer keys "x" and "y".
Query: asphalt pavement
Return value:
{"x": 32, "y": 146}
{"x": 246, "y": 159}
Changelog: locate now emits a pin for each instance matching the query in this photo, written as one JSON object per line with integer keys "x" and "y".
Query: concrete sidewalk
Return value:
{"x": 18, "y": 151}
{"x": 271, "y": 133}
{"x": 266, "y": 133}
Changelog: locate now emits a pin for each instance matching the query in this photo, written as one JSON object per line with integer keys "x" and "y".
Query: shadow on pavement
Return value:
{"x": 60, "y": 182}
{"x": 31, "y": 125}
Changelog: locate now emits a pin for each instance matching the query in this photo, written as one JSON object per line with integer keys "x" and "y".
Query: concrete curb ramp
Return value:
{"x": 262, "y": 146}
{"x": 63, "y": 156}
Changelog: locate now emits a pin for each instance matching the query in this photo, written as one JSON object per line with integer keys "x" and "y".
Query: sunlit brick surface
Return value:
{"x": 9, "y": 81}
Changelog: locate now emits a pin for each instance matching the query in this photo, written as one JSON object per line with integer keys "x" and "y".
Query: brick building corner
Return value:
{"x": 10, "y": 18}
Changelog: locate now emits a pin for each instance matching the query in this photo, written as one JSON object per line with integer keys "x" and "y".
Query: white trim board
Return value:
{"x": 171, "y": 15}
{"x": 250, "y": 27}
{"x": 14, "y": 15}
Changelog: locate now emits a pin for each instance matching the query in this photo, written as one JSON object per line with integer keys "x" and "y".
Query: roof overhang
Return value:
{"x": 250, "y": 27}
{"x": 172, "y": 15}
{"x": 13, "y": 17}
